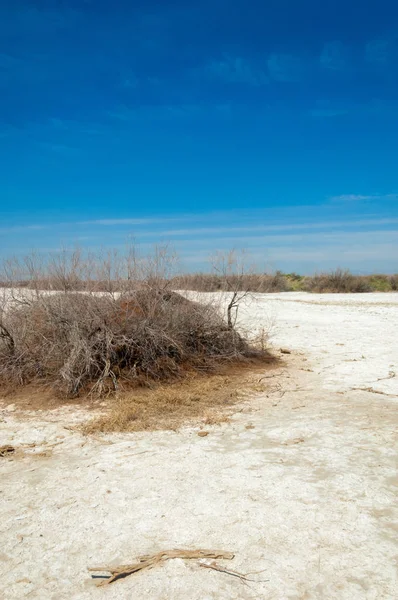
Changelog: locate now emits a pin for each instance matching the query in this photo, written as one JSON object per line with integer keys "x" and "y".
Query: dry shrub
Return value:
{"x": 338, "y": 281}
{"x": 249, "y": 282}
{"x": 77, "y": 342}
{"x": 393, "y": 279}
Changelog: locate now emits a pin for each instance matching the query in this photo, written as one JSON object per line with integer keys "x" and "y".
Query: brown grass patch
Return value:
{"x": 207, "y": 399}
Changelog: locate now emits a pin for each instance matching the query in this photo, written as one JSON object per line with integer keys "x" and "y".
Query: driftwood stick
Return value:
{"x": 149, "y": 561}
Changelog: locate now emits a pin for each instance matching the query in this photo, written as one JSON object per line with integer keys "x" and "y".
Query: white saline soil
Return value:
{"x": 307, "y": 495}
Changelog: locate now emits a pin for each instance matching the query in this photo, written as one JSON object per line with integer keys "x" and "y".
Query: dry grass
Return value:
{"x": 205, "y": 399}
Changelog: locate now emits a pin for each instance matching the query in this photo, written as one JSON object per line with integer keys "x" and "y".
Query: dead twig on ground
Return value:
{"x": 271, "y": 376}
{"x": 6, "y": 450}
{"x": 391, "y": 375}
{"x": 371, "y": 390}
{"x": 243, "y": 576}
{"x": 28, "y": 450}
{"x": 149, "y": 561}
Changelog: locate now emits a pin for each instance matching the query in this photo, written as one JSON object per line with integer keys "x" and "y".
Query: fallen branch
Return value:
{"x": 391, "y": 375}
{"x": 271, "y": 376}
{"x": 371, "y": 390}
{"x": 149, "y": 561}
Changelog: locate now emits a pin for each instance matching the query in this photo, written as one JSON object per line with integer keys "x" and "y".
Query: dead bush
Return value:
{"x": 248, "y": 282}
{"x": 393, "y": 279}
{"x": 79, "y": 342}
{"x": 338, "y": 281}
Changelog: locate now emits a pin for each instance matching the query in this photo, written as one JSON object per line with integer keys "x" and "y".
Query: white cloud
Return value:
{"x": 22, "y": 228}
{"x": 334, "y": 56}
{"x": 129, "y": 80}
{"x": 301, "y": 239}
{"x": 206, "y": 231}
{"x": 379, "y": 52}
{"x": 382, "y": 55}
{"x": 363, "y": 198}
{"x": 351, "y": 198}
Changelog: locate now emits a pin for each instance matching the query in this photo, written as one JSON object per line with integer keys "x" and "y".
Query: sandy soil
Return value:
{"x": 301, "y": 485}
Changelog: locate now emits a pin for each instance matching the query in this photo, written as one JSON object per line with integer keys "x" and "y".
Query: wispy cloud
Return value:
{"x": 117, "y": 222}
{"x": 128, "y": 79}
{"x": 298, "y": 240}
{"x": 21, "y": 228}
{"x": 291, "y": 246}
{"x": 351, "y": 198}
{"x": 229, "y": 231}
{"x": 285, "y": 67}
{"x": 362, "y": 197}
{"x": 209, "y": 232}
{"x": 334, "y": 56}
{"x": 290, "y": 226}
{"x": 371, "y": 108}
{"x": 58, "y": 148}
{"x": 383, "y": 52}
{"x": 377, "y": 52}
{"x": 236, "y": 70}
{"x": 55, "y": 124}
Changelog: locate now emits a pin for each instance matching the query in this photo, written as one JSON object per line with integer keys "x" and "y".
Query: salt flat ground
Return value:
{"x": 301, "y": 485}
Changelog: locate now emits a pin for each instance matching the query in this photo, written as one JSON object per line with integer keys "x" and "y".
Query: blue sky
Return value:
{"x": 270, "y": 126}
